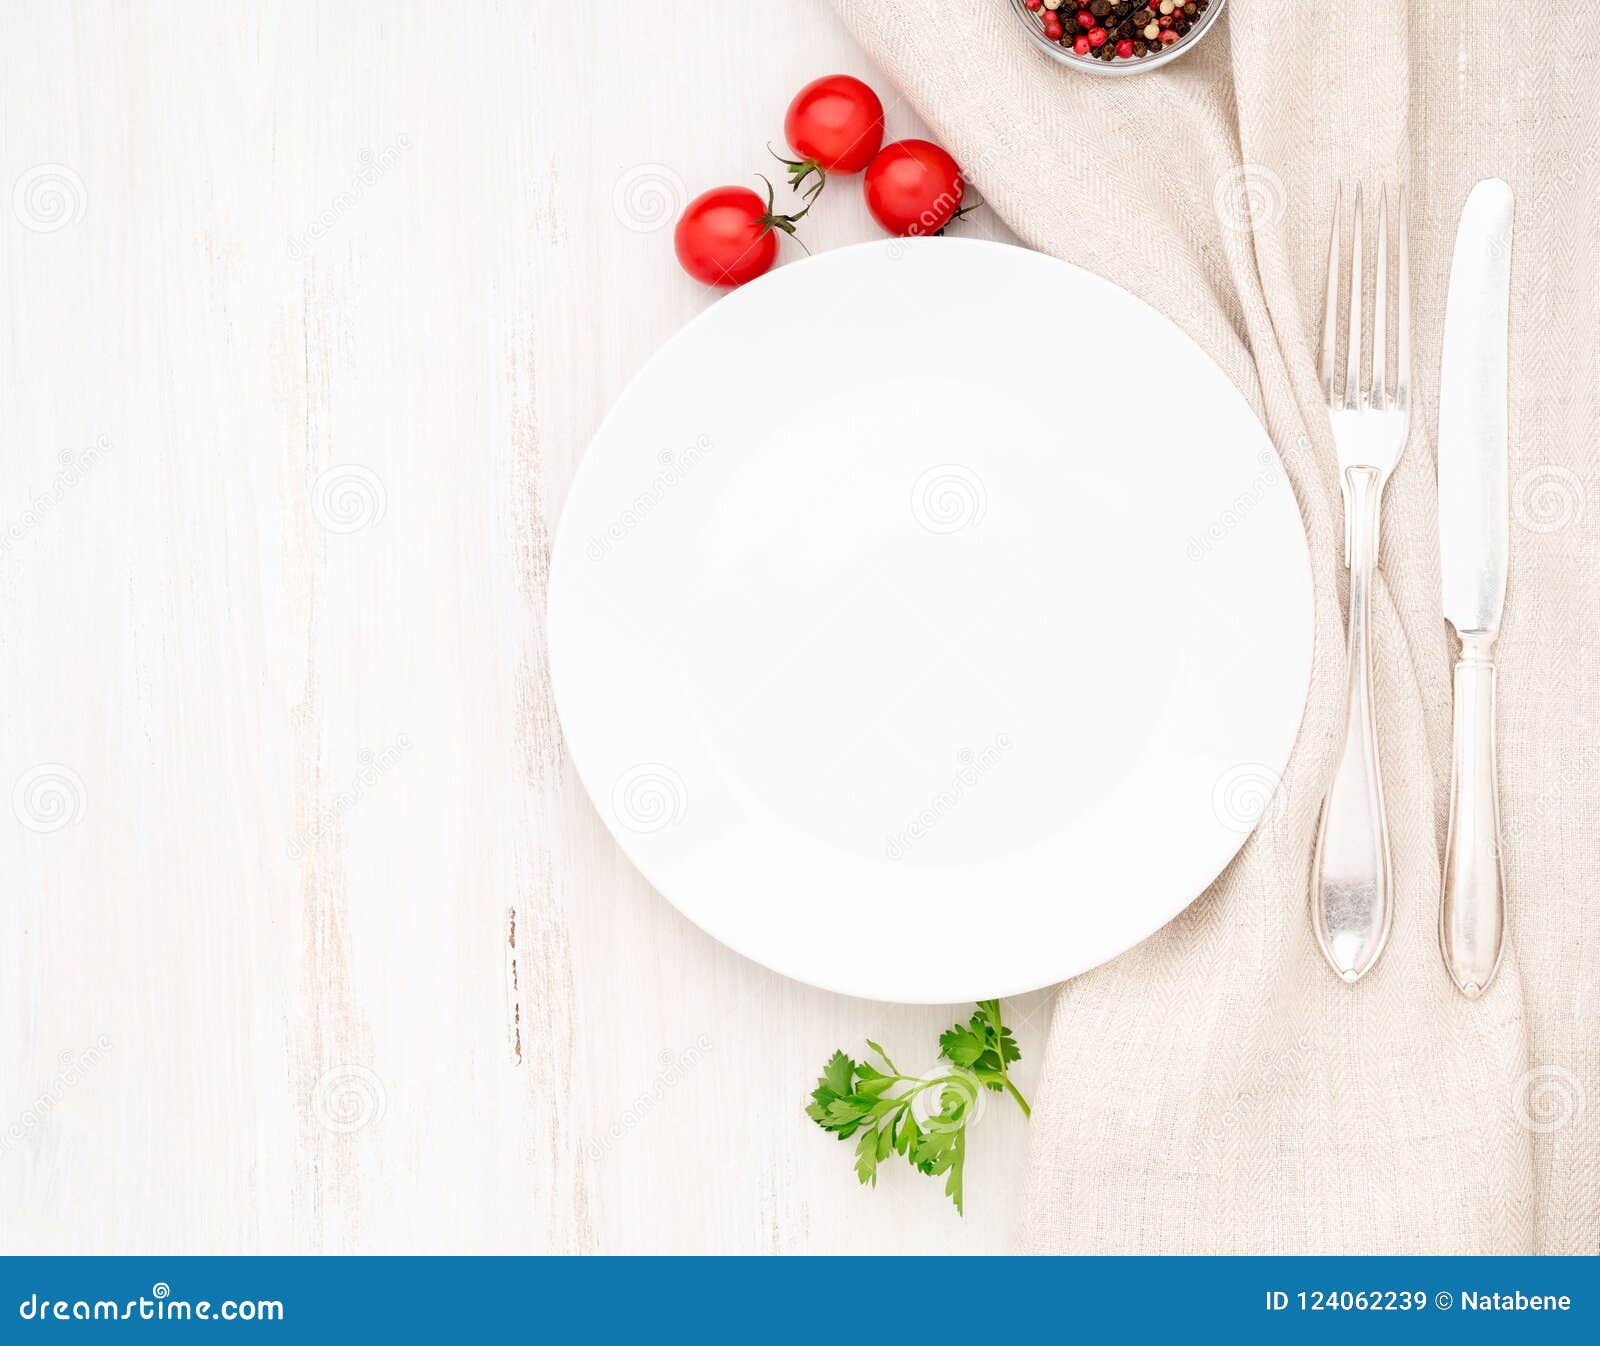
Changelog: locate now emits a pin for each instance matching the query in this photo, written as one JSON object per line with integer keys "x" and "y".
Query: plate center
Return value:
{"x": 901, "y": 620}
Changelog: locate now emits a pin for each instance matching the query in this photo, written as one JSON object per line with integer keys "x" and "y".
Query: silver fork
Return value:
{"x": 1352, "y": 898}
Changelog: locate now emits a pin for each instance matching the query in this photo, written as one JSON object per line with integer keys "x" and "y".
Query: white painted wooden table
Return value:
{"x": 312, "y": 942}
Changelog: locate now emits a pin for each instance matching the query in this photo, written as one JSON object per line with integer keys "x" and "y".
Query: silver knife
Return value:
{"x": 1473, "y": 543}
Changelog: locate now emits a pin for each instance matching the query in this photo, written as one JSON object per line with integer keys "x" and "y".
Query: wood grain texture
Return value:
{"x": 312, "y": 940}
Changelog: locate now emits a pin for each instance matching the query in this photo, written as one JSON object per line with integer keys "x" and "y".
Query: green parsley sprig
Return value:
{"x": 922, "y": 1118}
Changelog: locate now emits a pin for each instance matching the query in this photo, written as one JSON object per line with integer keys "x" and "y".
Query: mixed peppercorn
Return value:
{"x": 1111, "y": 30}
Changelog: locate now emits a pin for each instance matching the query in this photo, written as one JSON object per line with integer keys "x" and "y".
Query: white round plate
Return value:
{"x": 930, "y": 620}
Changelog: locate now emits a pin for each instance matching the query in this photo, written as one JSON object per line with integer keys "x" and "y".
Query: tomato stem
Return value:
{"x": 799, "y": 170}
{"x": 965, "y": 210}
{"x": 772, "y": 220}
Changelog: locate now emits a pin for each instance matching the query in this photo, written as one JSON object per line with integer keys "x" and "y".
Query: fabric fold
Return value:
{"x": 1217, "y": 1090}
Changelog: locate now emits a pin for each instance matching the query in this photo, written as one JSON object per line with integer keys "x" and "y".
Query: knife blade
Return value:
{"x": 1473, "y": 468}
{"x": 1474, "y": 543}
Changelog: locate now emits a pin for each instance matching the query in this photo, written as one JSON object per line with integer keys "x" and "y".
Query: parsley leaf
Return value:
{"x": 923, "y": 1119}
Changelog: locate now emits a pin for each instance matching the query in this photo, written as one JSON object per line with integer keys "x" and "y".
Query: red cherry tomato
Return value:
{"x": 913, "y": 187}
{"x": 835, "y": 123}
{"x": 724, "y": 237}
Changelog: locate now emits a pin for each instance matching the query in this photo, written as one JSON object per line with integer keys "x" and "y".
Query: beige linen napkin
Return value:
{"x": 1217, "y": 1089}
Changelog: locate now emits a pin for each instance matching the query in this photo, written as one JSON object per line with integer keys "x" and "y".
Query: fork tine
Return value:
{"x": 1330, "y": 306}
{"x": 1380, "y": 306}
{"x": 1352, "y": 367}
{"x": 1402, "y": 368}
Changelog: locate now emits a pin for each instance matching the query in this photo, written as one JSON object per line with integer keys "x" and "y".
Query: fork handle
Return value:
{"x": 1351, "y": 882}
{"x": 1472, "y": 916}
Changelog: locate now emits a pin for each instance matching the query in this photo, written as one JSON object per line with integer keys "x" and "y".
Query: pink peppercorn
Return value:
{"x": 1126, "y": 30}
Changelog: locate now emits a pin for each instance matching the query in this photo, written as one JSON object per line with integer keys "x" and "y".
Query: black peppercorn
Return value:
{"x": 1124, "y": 25}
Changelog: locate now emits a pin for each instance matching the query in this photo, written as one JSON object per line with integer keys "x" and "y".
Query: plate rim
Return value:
{"x": 562, "y": 545}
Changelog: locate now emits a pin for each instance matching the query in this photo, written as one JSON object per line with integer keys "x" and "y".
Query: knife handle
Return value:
{"x": 1351, "y": 883}
{"x": 1472, "y": 914}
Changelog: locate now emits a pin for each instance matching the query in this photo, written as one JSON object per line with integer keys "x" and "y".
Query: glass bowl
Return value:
{"x": 1033, "y": 23}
